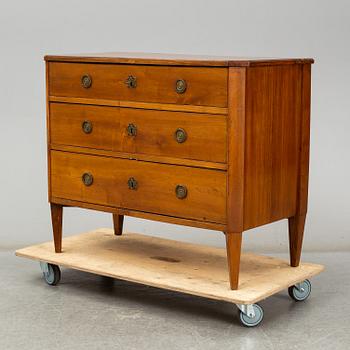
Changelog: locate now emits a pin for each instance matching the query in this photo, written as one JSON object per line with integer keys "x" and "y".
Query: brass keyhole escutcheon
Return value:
{"x": 86, "y": 126}
{"x": 181, "y": 191}
{"x": 131, "y": 82}
{"x": 132, "y": 130}
{"x": 180, "y": 135}
{"x": 86, "y": 81}
{"x": 180, "y": 86}
{"x": 87, "y": 179}
{"x": 132, "y": 184}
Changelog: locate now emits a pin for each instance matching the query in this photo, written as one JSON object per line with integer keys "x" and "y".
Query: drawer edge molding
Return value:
{"x": 140, "y": 214}
{"x": 141, "y": 157}
{"x": 141, "y": 105}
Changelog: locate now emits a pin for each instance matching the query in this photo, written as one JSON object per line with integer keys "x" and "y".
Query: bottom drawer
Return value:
{"x": 173, "y": 190}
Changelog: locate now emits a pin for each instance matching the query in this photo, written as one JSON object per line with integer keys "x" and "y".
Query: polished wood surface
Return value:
{"x": 175, "y": 59}
{"x": 233, "y": 249}
{"x": 143, "y": 157}
{"x": 205, "y": 86}
{"x": 141, "y": 105}
{"x": 188, "y": 268}
{"x": 272, "y": 145}
{"x": 235, "y": 147}
{"x": 155, "y": 131}
{"x": 141, "y": 214}
{"x": 57, "y": 220}
{"x": 245, "y": 159}
{"x": 155, "y": 189}
{"x": 118, "y": 221}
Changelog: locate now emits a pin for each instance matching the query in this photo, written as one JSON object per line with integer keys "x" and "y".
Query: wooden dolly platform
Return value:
{"x": 183, "y": 267}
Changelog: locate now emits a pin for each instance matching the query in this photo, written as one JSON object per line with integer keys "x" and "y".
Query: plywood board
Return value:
{"x": 188, "y": 268}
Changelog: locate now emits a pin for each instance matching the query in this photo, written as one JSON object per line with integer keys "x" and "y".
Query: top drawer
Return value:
{"x": 160, "y": 84}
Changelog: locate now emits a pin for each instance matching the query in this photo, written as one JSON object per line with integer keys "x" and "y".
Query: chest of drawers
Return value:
{"x": 212, "y": 142}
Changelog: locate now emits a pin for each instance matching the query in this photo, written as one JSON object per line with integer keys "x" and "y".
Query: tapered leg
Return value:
{"x": 118, "y": 224}
{"x": 56, "y": 218}
{"x": 296, "y": 233}
{"x": 233, "y": 248}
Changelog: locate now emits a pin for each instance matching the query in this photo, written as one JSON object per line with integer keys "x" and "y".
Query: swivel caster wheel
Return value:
{"x": 300, "y": 291}
{"x": 51, "y": 273}
{"x": 250, "y": 315}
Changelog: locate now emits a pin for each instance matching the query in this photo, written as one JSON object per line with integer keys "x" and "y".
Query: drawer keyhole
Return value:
{"x": 132, "y": 184}
{"x": 132, "y": 130}
{"x": 131, "y": 82}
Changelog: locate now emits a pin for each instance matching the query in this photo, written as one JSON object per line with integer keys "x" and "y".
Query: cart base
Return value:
{"x": 188, "y": 268}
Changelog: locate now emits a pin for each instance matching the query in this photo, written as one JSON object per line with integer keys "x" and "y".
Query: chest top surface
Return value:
{"x": 175, "y": 59}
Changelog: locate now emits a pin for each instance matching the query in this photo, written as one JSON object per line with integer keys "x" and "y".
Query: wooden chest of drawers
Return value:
{"x": 211, "y": 142}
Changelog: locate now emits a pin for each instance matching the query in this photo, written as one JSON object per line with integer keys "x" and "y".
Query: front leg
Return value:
{"x": 233, "y": 248}
{"x": 56, "y": 219}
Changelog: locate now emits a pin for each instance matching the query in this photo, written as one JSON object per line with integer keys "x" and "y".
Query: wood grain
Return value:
{"x": 205, "y": 86}
{"x": 56, "y": 219}
{"x": 118, "y": 221}
{"x": 233, "y": 250}
{"x": 141, "y": 105}
{"x": 141, "y": 214}
{"x": 155, "y": 131}
{"x": 236, "y": 148}
{"x": 196, "y": 269}
{"x": 141, "y": 157}
{"x": 155, "y": 191}
{"x": 272, "y": 138}
{"x": 175, "y": 59}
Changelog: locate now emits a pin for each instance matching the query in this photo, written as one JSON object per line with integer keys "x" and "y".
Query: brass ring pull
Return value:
{"x": 131, "y": 82}
{"x": 86, "y": 81}
{"x": 181, "y": 191}
{"x": 132, "y": 184}
{"x": 180, "y": 135}
{"x": 87, "y": 179}
{"x": 180, "y": 86}
{"x": 86, "y": 126}
{"x": 132, "y": 130}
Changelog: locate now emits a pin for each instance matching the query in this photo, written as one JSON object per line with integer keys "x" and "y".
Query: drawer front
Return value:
{"x": 179, "y": 85}
{"x": 177, "y": 191}
{"x": 163, "y": 133}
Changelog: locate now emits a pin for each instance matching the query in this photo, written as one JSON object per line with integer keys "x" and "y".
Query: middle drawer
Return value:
{"x": 163, "y": 133}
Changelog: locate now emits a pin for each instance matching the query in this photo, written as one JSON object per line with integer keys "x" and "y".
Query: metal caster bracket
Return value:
{"x": 44, "y": 267}
{"x": 247, "y": 309}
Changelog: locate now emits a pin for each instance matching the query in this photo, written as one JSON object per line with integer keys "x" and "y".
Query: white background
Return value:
{"x": 31, "y": 29}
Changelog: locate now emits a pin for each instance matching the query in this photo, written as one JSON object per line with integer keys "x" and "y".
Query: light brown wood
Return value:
{"x": 187, "y": 268}
{"x": 233, "y": 250}
{"x": 56, "y": 219}
{"x": 142, "y": 157}
{"x": 272, "y": 143}
{"x": 118, "y": 221}
{"x": 156, "y": 184}
{"x": 141, "y": 214}
{"x": 205, "y": 86}
{"x": 175, "y": 59}
{"x": 141, "y": 105}
{"x": 155, "y": 131}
